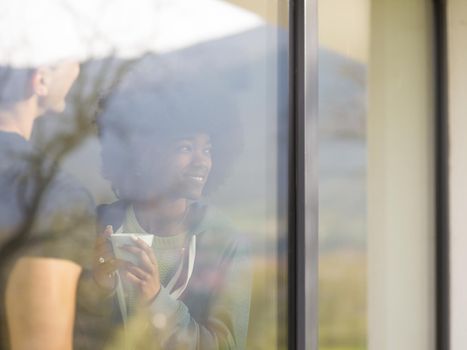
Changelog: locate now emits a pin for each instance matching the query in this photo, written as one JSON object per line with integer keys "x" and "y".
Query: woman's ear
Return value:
{"x": 40, "y": 82}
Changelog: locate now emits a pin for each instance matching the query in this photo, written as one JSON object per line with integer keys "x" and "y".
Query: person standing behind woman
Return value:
{"x": 40, "y": 278}
{"x": 44, "y": 225}
{"x": 166, "y": 145}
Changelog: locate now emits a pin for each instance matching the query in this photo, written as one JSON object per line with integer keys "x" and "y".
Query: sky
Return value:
{"x": 38, "y": 32}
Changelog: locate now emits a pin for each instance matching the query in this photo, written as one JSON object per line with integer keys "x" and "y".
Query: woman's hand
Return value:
{"x": 145, "y": 276}
{"x": 104, "y": 262}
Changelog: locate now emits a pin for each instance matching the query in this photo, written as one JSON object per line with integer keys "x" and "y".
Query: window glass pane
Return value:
{"x": 343, "y": 34}
{"x": 143, "y": 174}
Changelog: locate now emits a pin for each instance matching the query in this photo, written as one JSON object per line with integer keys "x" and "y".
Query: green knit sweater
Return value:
{"x": 213, "y": 311}
{"x": 167, "y": 249}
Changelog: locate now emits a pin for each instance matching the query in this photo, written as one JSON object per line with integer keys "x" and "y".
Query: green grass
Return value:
{"x": 342, "y": 303}
{"x": 342, "y": 300}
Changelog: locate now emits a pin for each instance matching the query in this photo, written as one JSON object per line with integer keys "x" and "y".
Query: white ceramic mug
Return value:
{"x": 120, "y": 239}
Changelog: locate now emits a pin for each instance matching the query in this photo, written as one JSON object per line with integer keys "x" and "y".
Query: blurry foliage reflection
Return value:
{"x": 342, "y": 300}
{"x": 342, "y": 184}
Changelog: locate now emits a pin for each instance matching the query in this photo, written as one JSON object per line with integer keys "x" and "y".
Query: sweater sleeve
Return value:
{"x": 226, "y": 325}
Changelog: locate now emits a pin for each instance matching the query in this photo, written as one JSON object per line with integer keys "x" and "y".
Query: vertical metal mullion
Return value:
{"x": 303, "y": 252}
{"x": 442, "y": 176}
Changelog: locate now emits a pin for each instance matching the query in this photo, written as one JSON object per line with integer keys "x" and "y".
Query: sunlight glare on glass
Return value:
{"x": 44, "y": 32}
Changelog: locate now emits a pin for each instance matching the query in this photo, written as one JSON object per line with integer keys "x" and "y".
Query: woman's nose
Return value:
{"x": 200, "y": 157}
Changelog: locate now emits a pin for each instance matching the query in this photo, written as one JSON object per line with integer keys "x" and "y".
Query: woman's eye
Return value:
{"x": 184, "y": 148}
{"x": 207, "y": 151}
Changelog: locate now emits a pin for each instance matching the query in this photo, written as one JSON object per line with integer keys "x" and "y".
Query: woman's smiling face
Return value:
{"x": 179, "y": 169}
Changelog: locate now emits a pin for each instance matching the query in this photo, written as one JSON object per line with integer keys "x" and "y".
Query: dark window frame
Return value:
{"x": 303, "y": 177}
{"x": 442, "y": 175}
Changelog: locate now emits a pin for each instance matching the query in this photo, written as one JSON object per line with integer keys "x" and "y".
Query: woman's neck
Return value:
{"x": 164, "y": 218}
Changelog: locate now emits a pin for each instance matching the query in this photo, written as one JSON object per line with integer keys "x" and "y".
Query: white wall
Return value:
{"x": 401, "y": 177}
{"x": 457, "y": 46}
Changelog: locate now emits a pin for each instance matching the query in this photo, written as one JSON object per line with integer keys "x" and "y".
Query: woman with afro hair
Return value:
{"x": 167, "y": 144}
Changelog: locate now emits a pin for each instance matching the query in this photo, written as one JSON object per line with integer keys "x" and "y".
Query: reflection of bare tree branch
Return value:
{"x": 45, "y": 165}
{"x": 42, "y": 181}
{"x": 4, "y": 76}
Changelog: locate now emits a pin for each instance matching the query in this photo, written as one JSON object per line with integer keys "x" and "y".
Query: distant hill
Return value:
{"x": 342, "y": 95}
{"x": 342, "y": 153}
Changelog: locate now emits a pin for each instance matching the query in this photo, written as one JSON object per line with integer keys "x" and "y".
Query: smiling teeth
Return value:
{"x": 197, "y": 178}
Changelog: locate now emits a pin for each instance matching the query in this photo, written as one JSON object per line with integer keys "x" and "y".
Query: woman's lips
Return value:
{"x": 197, "y": 178}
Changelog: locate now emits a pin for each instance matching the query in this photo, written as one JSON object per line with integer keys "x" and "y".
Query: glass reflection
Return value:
{"x": 176, "y": 126}
{"x": 343, "y": 55}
